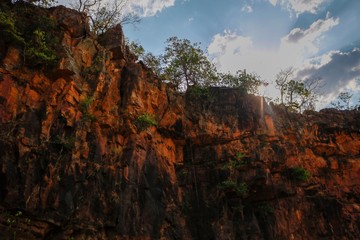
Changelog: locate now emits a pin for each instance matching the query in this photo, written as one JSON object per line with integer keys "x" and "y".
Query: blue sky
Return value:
{"x": 319, "y": 38}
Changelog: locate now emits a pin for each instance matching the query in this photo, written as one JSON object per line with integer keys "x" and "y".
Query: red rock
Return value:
{"x": 86, "y": 170}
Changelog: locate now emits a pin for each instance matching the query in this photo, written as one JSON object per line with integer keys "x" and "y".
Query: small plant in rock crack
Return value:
{"x": 144, "y": 121}
{"x": 236, "y": 162}
{"x": 240, "y": 189}
{"x": 84, "y": 106}
{"x": 13, "y": 222}
{"x": 299, "y": 174}
{"x": 86, "y": 102}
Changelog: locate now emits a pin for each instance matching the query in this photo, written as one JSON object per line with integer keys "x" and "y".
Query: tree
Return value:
{"x": 282, "y": 80}
{"x": 248, "y": 83}
{"x": 154, "y": 63}
{"x": 312, "y": 89}
{"x": 295, "y": 94}
{"x": 186, "y": 64}
{"x": 149, "y": 59}
{"x": 136, "y": 48}
{"x": 105, "y": 14}
{"x": 83, "y": 5}
{"x": 343, "y": 101}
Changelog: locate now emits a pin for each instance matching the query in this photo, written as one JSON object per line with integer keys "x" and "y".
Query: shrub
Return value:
{"x": 38, "y": 51}
{"x": 34, "y": 31}
{"x": 86, "y": 102}
{"x": 236, "y": 162}
{"x": 299, "y": 174}
{"x": 8, "y": 29}
{"x": 229, "y": 185}
{"x": 145, "y": 120}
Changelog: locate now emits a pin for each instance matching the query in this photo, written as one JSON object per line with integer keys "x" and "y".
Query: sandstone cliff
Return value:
{"x": 79, "y": 160}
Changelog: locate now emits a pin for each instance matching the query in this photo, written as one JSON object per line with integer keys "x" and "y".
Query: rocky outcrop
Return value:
{"x": 78, "y": 158}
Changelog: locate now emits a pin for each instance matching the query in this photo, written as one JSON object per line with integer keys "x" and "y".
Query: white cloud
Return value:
{"x": 339, "y": 69}
{"x": 232, "y": 52}
{"x": 148, "y": 8}
{"x": 306, "y": 41}
{"x": 247, "y": 8}
{"x": 300, "y": 6}
{"x": 273, "y": 2}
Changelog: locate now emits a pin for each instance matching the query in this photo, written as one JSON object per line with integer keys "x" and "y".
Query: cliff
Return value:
{"x": 95, "y": 146}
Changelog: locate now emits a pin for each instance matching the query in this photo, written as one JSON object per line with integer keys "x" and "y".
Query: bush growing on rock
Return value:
{"x": 299, "y": 174}
{"x": 144, "y": 121}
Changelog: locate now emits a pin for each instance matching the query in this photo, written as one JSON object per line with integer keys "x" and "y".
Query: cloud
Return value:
{"x": 300, "y": 6}
{"x": 339, "y": 70}
{"x": 247, "y": 8}
{"x": 227, "y": 48}
{"x": 231, "y": 52}
{"x": 273, "y": 2}
{"x": 315, "y": 30}
{"x": 308, "y": 39}
{"x": 148, "y": 8}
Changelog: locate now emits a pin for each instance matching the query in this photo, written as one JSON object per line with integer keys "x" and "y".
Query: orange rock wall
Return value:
{"x": 74, "y": 162}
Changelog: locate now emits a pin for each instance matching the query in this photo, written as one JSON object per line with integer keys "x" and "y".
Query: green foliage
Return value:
{"x": 240, "y": 189}
{"x": 236, "y": 162}
{"x": 239, "y": 156}
{"x": 187, "y": 67}
{"x": 8, "y": 30}
{"x": 144, "y": 121}
{"x": 84, "y": 107}
{"x": 86, "y": 102}
{"x": 186, "y": 64}
{"x": 154, "y": 63}
{"x": 247, "y": 83}
{"x": 18, "y": 214}
{"x": 38, "y": 52}
{"x": 299, "y": 174}
{"x": 297, "y": 95}
{"x": 32, "y": 29}
{"x": 136, "y": 48}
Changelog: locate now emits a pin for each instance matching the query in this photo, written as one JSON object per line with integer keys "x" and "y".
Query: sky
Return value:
{"x": 319, "y": 38}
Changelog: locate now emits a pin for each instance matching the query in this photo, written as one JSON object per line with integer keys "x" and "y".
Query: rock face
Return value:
{"x": 77, "y": 162}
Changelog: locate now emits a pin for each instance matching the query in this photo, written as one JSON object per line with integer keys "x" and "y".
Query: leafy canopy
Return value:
{"x": 297, "y": 95}
{"x": 186, "y": 64}
{"x": 246, "y": 82}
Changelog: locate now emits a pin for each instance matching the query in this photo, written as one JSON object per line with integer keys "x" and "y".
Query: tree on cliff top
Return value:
{"x": 246, "y": 82}
{"x": 105, "y": 14}
{"x": 186, "y": 64}
{"x": 297, "y": 95}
